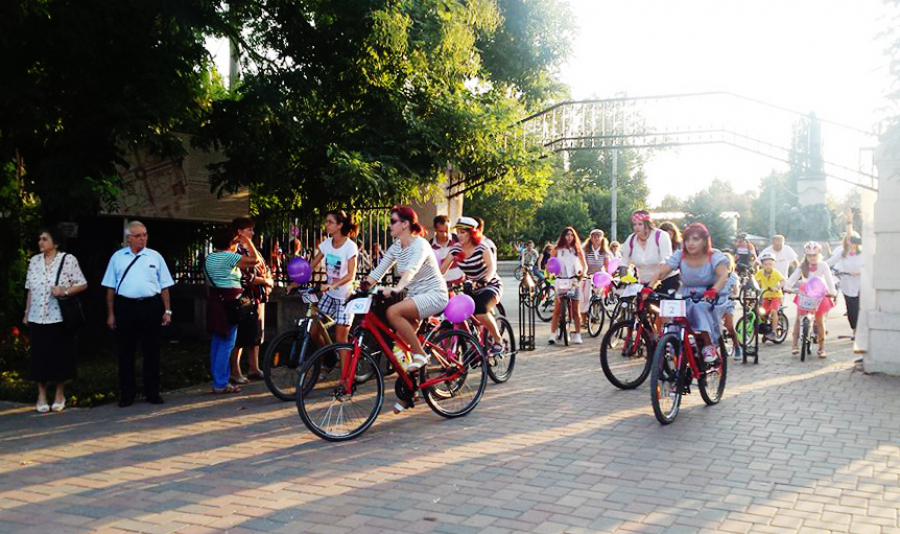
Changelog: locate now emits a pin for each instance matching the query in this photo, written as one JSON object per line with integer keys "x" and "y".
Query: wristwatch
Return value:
{"x": 168, "y": 312}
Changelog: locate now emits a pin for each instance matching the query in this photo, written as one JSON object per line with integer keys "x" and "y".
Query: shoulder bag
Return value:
{"x": 236, "y": 310}
{"x": 70, "y": 307}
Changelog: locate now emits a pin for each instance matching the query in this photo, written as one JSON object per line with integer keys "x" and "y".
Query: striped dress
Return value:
{"x": 427, "y": 287}
{"x": 476, "y": 270}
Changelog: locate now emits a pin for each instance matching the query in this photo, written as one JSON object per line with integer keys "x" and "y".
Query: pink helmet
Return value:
{"x": 812, "y": 247}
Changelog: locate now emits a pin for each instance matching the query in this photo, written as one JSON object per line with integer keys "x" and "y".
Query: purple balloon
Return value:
{"x": 815, "y": 288}
{"x": 459, "y": 309}
{"x": 553, "y": 265}
{"x": 612, "y": 265}
{"x": 602, "y": 279}
{"x": 299, "y": 270}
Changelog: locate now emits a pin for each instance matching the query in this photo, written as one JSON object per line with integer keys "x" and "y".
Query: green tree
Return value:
{"x": 558, "y": 212}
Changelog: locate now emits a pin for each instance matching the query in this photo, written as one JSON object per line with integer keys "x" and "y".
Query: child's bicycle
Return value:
{"x": 755, "y": 321}
{"x": 677, "y": 361}
{"x": 337, "y": 404}
{"x": 806, "y": 306}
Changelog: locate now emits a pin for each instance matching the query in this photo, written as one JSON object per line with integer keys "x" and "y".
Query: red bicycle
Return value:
{"x": 341, "y": 386}
{"x": 675, "y": 362}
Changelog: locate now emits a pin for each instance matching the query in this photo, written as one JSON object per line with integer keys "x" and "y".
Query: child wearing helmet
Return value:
{"x": 771, "y": 281}
{"x": 813, "y": 266}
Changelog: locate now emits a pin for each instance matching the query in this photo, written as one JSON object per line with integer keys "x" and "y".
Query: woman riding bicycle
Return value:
{"x": 340, "y": 253}
{"x": 572, "y": 265}
{"x": 703, "y": 270}
{"x": 812, "y": 266}
{"x": 647, "y": 248}
{"x": 596, "y": 253}
{"x": 420, "y": 275}
{"x": 475, "y": 260}
{"x": 744, "y": 253}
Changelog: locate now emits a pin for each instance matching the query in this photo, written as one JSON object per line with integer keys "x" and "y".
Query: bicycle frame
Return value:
{"x": 377, "y": 328}
{"x": 681, "y": 327}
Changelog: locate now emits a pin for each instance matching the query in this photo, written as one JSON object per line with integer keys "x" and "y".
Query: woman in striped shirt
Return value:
{"x": 420, "y": 275}
{"x": 474, "y": 257}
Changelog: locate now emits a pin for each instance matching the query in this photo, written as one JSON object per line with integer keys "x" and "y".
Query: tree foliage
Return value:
{"x": 367, "y": 101}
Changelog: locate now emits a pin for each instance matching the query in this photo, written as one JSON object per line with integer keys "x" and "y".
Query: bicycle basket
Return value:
{"x": 808, "y": 304}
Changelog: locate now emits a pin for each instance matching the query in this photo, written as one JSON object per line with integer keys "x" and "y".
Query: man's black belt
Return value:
{"x": 140, "y": 299}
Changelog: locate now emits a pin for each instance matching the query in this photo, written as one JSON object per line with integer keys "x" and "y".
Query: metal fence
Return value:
{"x": 282, "y": 238}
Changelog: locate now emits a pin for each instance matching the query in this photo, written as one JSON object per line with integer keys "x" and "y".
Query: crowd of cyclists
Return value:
{"x": 665, "y": 260}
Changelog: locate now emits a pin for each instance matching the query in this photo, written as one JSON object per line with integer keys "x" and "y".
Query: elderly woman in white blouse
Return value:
{"x": 52, "y": 274}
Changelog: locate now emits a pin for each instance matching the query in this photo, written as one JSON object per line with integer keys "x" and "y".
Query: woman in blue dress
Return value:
{"x": 703, "y": 270}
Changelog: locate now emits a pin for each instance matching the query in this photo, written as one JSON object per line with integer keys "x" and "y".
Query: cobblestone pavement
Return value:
{"x": 793, "y": 447}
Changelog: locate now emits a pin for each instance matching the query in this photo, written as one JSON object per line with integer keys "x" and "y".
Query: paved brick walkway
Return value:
{"x": 793, "y": 447}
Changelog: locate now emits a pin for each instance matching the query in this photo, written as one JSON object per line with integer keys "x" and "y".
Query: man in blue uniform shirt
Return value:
{"x": 137, "y": 303}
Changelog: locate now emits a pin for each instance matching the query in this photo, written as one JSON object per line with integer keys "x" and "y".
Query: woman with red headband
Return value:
{"x": 647, "y": 248}
{"x": 474, "y": 257}
{"x": 420, "y": 275}
{"x": 703, "y": 270}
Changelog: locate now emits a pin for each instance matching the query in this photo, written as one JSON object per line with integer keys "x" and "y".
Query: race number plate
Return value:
{"x": 631, "y": 290}
{"x": 358, "y": 306}
{"x": 673, "y": 308}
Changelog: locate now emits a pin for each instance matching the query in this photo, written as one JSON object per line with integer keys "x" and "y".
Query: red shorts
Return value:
{"x": 771, "y": 304}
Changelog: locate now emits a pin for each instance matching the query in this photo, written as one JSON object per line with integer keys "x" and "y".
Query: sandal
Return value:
{"x": 238, "y": 380}
{"x": 226, "y": 390}
{"x": 823, "y": 353}
{"x": 795, "y": 350}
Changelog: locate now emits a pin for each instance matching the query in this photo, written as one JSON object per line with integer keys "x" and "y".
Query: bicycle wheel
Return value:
{"x": 544, "y": 305}
{"x": 666, "y": 377}
{"x": 282, "y": 361}
{"x": 501, "y": 364}
{"x": 782, "y": 329}
{"x": 712, "y": 377}
{"x": 625, "y": 355}
{"x": 596, "y": 316}
{"x": 520, "y": 272}
{"x": 327, "y": 409}
{"x": 455, "y": 378}
{"x": 563, "y": 324}
{"x": 804, "y": 338}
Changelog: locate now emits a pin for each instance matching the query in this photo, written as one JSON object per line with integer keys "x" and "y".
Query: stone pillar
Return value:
{"x": 883, "y": 315}
{"x": 866, "y": 230}
{"x": 812, "y": 186}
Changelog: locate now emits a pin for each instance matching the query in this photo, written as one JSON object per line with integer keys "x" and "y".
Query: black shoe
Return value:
{"x": 125, "y": 402}
{"x": 155, "y": 400}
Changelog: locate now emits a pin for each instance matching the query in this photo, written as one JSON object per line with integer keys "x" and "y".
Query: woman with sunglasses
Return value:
{"x": 474, "y": 258}
{"x": 420, "y": 275}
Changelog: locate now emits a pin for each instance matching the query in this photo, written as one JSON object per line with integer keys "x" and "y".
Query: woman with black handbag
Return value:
{"x": 52, "y": 275}
{"x": 224, "y": 303}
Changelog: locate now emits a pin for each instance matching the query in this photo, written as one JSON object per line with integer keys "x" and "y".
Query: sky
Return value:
{"x": 819, "y": 56}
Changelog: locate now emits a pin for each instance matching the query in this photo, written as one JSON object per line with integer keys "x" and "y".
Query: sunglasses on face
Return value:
{"x": 394, "y": 221}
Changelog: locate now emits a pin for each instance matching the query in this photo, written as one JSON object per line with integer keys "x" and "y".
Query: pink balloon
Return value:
{"x": 553, "y": 265}
{"x": 299, "y": 270}
{"x": 815, "y": 288}
{"x": 602, "y": 279}
{"x": 613, "y": 264}
{"x": 459, "y": 309}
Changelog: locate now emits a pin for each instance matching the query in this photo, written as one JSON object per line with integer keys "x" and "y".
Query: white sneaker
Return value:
{"x": 576, "y": 339}
{"x": 737, "y": 352}
{"x": 709, "y": 354}
{"x": 552, "y": 340}
{"x": 418, "y": 361}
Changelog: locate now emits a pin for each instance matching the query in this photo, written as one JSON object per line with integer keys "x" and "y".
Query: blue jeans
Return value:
{"x": 220, "y": 357}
